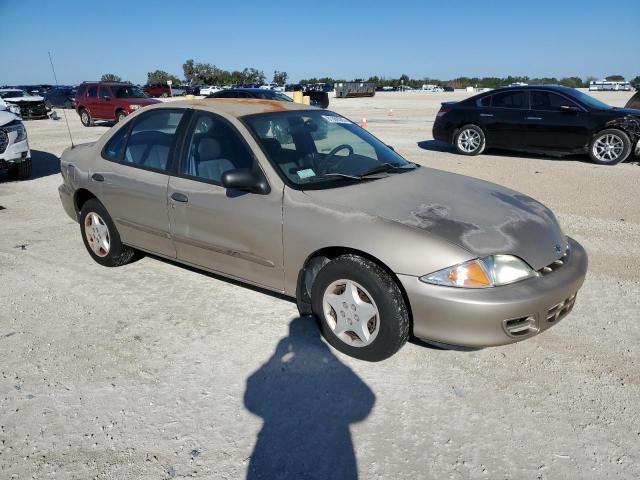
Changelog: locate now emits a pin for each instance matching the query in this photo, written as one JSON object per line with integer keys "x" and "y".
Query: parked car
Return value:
{"x": 272, "y": 86}
{"x": 191, "y": 89}
{"x": 109, "y": 101}
{"x": 251, "y": 93}
{"x": 448, "y": 88}
{"x": 31, "y": 106}
{"x": 163, "y": 90}
{"x": 209, "y": 89}
{"x": 62, "y": 97}
{"x": 249, "y": 190}
{"x": 15, "y": 156}
{"x": 634, "y": 102}
{"x": 542, "y": 118}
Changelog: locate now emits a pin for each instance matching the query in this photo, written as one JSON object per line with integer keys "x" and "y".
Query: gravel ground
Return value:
{"x": 159, "y": 371}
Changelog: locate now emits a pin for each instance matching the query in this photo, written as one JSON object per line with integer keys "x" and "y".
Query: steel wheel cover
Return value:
{"x": 97, "y": 234}
{"x": 351, "y": 313}
{"x": 608, "y": 148}
{"x": 469, "y": 140}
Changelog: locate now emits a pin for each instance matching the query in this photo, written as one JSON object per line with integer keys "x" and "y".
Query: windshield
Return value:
{"x": 129, "y": 91}
{"x": 320, "y": 149}
{"x": 13, "y": 94}
{"x": 589, "y": 100}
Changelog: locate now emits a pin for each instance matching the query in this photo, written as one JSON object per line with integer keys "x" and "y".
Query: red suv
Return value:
{"x": 109, "y": 101}
{"x": 157, "y": 90}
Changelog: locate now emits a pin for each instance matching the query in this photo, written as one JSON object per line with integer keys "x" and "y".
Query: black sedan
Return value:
{"x": 541, "y": 119}
{"x": 63, "y": 97}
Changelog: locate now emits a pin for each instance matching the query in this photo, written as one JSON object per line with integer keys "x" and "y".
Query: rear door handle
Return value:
{"x": 533, "y": 118}
{"x": 486, "y": 114}
{"x": 179, "y": 197}
{"x": 96, "y": 177}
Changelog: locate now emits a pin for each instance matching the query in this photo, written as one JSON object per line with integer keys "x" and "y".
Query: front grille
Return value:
{"x": 4, "y": 141}
{"x": 556, "y": 264}
{"x": 561, "y": 310}
{"x": 521, "y": 327}
{"x": 33, "y": 109}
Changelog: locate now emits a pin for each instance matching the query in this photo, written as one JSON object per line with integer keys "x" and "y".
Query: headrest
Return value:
{"x": 208, "y": 149}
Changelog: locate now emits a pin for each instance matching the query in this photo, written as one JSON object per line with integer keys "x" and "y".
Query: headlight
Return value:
{"x": 18, "y": 128}
{"x": 14, "y": 109}
{"x": 482, "y": 273}
{"x": 134, "y": 107}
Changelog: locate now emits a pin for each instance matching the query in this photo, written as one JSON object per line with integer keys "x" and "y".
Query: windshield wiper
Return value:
{"x": 386, "y": 167}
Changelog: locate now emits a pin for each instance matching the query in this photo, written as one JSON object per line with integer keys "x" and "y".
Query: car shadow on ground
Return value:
{"x": 307, "y": 399}
{"x": 439, "y": 146}
{"x": 44, "y": 164}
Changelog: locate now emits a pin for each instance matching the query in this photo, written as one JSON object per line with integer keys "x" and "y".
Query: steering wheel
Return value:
{"x": 331, "y": 161}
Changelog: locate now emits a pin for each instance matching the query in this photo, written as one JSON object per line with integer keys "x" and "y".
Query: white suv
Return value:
{"x": 15, "y": 156}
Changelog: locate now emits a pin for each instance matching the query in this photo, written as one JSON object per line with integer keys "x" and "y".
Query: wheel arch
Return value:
{"x": 318, "y": 259}
{"x": 80, "y": 197}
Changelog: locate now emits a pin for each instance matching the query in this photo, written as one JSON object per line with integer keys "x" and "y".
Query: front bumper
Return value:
{"x": 441, "y": 132}
{"x": 14, "y": 153}
{"x": 498, "y": 315}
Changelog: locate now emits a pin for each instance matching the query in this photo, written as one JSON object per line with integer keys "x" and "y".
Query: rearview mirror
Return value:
{"x": 246, "y": 180}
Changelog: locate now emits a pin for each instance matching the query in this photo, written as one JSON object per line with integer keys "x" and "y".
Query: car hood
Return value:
{"x": 29, "y": 98}
{"x": 6, "y": 117}
{"x": 481, "y": 217}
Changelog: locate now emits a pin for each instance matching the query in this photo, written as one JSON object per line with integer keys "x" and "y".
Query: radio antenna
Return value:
{"x": 64, "y": 110}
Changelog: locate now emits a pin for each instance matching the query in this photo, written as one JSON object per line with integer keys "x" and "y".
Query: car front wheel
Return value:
{"x": 610, "y": 147}
{"x": 470, "y": 140}
{"x": 360, "y": 308}
{"x": 85, "y": 118}
{"x": 120, "y": 116}
{"x": 100, "y": 236}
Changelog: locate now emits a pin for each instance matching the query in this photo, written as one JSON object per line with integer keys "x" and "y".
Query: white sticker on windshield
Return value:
{"x": 335, "y": 119}
{"x": 306, "y": 173}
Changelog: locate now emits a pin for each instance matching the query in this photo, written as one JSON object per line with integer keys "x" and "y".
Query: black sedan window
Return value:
{"x": 548, "y": 101}
{"x": 517, "y": 99}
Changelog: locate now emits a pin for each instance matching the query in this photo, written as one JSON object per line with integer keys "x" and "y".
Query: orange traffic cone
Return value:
{"x": 364, "y": 122}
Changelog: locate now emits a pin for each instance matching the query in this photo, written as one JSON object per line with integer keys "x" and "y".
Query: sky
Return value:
{"x": 347, "y": 39}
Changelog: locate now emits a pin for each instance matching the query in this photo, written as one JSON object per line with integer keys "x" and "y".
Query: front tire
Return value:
{"x": 120, "y": 116}
{"x": 610, "y": 147}
{"x": 85, "y": 118}
{"x": 22, "y": 170}
{"x": 101, "y": 237}
{"x": 470, "y": 140}
{"x": 360, "y": 308}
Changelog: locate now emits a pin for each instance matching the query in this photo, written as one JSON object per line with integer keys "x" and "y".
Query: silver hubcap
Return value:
{"x": 85, "y": 117}
{"x": 351, "y": 313}
{"x": 97, "y": 234}
{"x": 608, "y": 148}
{"x": 469, "y": 140}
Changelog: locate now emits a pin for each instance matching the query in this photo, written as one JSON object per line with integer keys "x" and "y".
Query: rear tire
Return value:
{"x": 22, "y": 170}
{"x": 610, "y": 147}
{"x": 85, "y": 118}
{"x": 470, "y": 140}
{"x": 376, "y": 292}
{"x": 101, "y": 237}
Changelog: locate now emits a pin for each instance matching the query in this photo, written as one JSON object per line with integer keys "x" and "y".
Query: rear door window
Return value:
{"x": 104, "y": 92}
{"x": 151, "y": 139}
{"x": 514, "y": 100}
{"x": 113, "y": 149}
{"x": 92, "y": 91}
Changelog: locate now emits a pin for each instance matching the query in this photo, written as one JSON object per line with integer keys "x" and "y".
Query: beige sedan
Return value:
{"x": 303, "y": 202}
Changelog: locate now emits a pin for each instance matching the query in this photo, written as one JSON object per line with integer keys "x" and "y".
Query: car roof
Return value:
{"x": 238, "y": 107}
{"x": 558, "y": 88}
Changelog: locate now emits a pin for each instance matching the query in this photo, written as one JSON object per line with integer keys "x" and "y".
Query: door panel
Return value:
{"x": 504, "y": 120}
{"x": 555, "y": 123}
{"x": 235, "y": 233}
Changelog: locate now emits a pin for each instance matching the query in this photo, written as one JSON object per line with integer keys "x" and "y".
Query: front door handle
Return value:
{"x": 486, "y": 114}
{"x": 96, "y": 177}
{"x": 179, "y": 197}
{"x": 533, "y": 118}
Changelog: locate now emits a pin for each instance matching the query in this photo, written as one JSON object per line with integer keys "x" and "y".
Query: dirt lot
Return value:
{"x": 158, "y": 371}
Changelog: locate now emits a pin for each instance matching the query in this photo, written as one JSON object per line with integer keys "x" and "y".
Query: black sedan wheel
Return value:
{"x": 470, "y": 140}
{"x": 610, "y": 147}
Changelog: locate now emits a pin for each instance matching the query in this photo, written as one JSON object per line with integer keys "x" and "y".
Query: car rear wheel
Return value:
{"x": 85, "y": 118}
{"x": 164, "y": 95}
{"x": 101, "y": 237}
{"x": 610, "y": 147}
{"x": 120, "y": 116}
{"x": 470, "y": 140}
{"x": 360, "y": 308}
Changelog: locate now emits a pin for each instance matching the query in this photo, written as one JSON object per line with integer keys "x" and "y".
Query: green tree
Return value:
{"x": 110, "y": 77}
{"x": 160, "y": 76}
{"x": 280, "y": 77}
{"x": 615, "y": 78}
{"x": 189, "y": 71}
{"x": 635, "y": 82}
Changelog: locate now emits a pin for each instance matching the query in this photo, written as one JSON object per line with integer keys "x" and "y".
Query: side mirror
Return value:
{"x": 106, "y": 97}
{"x": 389, "y": 146}
{"x": 246, "y": 180}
